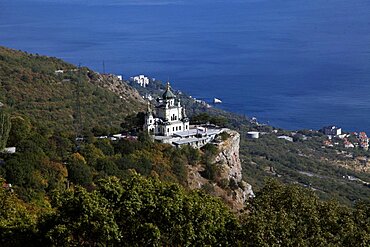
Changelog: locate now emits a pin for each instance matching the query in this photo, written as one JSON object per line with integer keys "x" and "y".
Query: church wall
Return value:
{"x": 174, "y": 112}
{"x": 174, "y": 128}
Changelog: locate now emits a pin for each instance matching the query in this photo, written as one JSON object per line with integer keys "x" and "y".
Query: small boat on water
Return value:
{"x": 217, "y": 101}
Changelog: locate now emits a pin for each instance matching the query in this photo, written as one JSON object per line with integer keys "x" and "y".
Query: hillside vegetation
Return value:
{"x": 148, "y": 212}
{"x": 29, "y": 86}
{"x": 134, "y": 192}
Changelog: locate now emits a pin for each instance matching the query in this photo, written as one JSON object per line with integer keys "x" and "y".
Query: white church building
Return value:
{"x": 170, "y": 116}
{"x": 169, "y": 123}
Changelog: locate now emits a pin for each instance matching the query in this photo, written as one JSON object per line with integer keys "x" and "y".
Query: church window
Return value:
{"x": 159, "y": 129}
{"x": 179, "y": 127}
{"x": 173, "y": 128}
{"x": 168, "y": 129}
{"x": 176, "y": 128}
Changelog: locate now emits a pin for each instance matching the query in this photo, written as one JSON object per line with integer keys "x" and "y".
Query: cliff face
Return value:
{"x": 228, "y": 161}
{"x": 228, "y": 184}
{"x": 228, "y": 157}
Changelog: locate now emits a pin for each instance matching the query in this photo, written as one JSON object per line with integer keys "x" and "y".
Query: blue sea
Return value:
{"x": 291, "y": 63}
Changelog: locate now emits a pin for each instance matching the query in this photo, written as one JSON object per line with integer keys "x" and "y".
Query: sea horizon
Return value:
{"x": 291, "y": 64}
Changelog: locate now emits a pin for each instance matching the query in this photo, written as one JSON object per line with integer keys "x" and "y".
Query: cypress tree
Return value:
{"x": 5, "y": 125}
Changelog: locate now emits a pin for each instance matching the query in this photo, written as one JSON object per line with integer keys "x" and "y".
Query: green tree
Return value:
{"x": 78, "y": 170}
{"x": 288, "y": 215}
{"x": 91, "y": 153}
{"x": 5, "y": 125}
{"x": 167, "y": 214}
{"x": 133, "y": 123}
{"x": 19, "y": 131}
{"x": 192, "y": 154}
{"x": 105, "y": 146}
{"x": 17, "y": 223}
{"x": 80, "y": 219}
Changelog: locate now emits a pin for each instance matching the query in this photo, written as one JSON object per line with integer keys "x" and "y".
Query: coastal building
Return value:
{"x": 363, "y": 140}
{"x": 328, "y": 143}
{"x": 332, "y": 130}
{"x": 169, "y": 123}
{"x": 287, "y": 138}
{"x": 142, "y": 80}
{"x": 348, "y": 144}
{"x": 253, "y": 135}
{"x": 59, "y": 71}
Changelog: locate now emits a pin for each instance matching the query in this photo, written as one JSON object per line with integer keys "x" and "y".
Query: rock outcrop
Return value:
{"x": 119, "y": 87}
{"x": 229, "y": 184}
{"x": 228, "y": 157}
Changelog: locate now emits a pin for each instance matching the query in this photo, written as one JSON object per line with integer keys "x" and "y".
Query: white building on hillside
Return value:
{"x": 141, "y": 80}
{"x": 170, "y": 116}
{"x": 169, "y": 124}
{"x": 332, "y": 130}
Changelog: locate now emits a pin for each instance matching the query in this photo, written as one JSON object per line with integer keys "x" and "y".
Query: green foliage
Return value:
{"x": 108, "y": 166}
{"x": 147, "y": 212}
{"x": 210, "y": 150}
{"x": 211, "y": 169}
{"x": 4, "y": 128}
{"x": 193, "y": 155}
{"x": 81, "y": 219}
{"x": 204, "y": 118}
{"x": 290, "y": 159}
{"x": 178, "y": 166}
{"x": 137, "y": 212}
{"x": 105, "y": 146}
{"x": 17, "y": 222}
{"x": 78, "y": 170}
{"x": 224, "y": 136}
{"x": 293, "y": 216}
{"x": 21, "y": 128}
{"x": 133, "y": 123}
{"x": 29, "y": 86}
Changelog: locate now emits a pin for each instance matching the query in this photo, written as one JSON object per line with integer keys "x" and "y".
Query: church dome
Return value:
{"x": 168, "y": 94}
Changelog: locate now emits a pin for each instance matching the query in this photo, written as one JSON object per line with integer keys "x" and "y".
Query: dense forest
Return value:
{"x": 142, "y": 211}
{"x": 133, "y": 192}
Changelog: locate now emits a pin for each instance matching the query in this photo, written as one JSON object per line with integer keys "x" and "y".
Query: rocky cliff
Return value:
{"x": 228, "y": 184}
{"x": 119, "y": 87}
